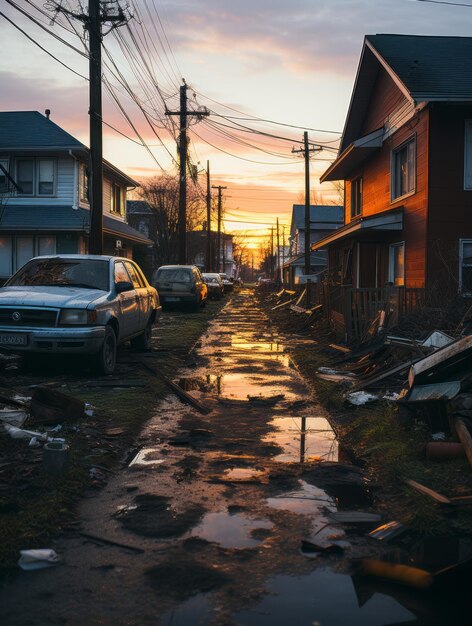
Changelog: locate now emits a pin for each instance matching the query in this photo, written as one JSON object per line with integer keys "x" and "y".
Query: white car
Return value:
{"x": 78, "y": 304}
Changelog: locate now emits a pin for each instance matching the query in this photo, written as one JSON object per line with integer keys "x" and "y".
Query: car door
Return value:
{"x": 200, "y": 287}
{"x": 144, "y": 296}
{"x": 128, "y": 303}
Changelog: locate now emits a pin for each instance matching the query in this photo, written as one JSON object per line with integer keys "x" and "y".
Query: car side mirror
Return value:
{"x": 123, "y": 285}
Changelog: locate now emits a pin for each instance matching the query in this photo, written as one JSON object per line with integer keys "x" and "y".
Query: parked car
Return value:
{"x": 214, "y": 285}
{"x": 227, "y": 284}
{"x": 181, "y": 284}
{"x": 78, "y": 304}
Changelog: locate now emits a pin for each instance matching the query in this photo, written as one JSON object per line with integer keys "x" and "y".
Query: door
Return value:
{"x": 144, "y": 297}
{"x": 128, "y": 304}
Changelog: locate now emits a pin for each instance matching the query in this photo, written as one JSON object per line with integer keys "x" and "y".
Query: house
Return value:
{"x": 44, "y": 207}
{"x": 141, "y": 217}
{"x": 197, "y": 251}
{"x": 323, "y": 220}
{"x": 406, "y": 159}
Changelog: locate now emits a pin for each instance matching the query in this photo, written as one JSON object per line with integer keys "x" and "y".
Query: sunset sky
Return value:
{"x": 289, "y": 62}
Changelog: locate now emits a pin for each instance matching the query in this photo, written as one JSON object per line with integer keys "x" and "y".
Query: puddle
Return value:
{"x": 323, "y": 597}
{"x": 239, "y": 386}
{"x": 243, "y": 475}
{"x": 303, "y": 439}
{"x": 207, "y": 383}
{"x": 196, "y": 610}
{"x": 147, "y": 456}
{"x": 307, "y": 500}
{"x": 231, "y": 530}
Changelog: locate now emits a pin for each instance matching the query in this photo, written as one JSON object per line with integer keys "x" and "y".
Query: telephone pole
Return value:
{"x": 97, "y": 15}
{"x": 184, "y": 114}
{"x": 306, "y": 152}
{"x": 271, "y": 252}
{"x": 208, "y": 263}
{"x": 218, "y": 235}
{"x": 283, "y": 252}
{"x": 278, "y": 254}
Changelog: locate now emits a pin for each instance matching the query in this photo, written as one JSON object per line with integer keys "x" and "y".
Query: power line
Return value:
{"x": 453, "y": 4}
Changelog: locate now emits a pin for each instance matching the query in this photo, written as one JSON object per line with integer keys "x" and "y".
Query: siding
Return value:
{"x": 386, "y": 99}
{"x": 64, "y": 188}
{"x": 450, "y": 206}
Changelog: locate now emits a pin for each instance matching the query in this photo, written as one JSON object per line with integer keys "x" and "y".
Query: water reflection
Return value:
{"x": 303, "y": 439}
{"x": 230, "y": 530}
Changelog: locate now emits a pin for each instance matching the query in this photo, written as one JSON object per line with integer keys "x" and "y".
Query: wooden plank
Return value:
{"x": 355, "y": 517}
{"x": 453, "y": 353}
{"x": 428, "y": 492}
{"x": 465, "y": 438}
{"x": 398, "y": 369}
{"x": 281, "y": 306}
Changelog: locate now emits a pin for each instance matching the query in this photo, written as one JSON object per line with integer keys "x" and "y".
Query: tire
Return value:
{"x": 195, "y": 306}
{"x": 105, "y": 359}
{"x": 144, "y": 340}
{"x": 203, "y": 304}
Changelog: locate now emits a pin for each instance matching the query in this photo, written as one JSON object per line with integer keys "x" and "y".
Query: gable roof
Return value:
{"x": 425, "y": 68}
{"x": 20, "y": 130}
{"x": 138, "y": 207}
{"x": 321, "y": 215}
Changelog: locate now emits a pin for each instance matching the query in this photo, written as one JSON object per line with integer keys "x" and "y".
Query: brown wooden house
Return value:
{"x": 406, "y": 159}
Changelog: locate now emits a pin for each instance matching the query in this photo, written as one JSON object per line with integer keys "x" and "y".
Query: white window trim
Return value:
{"x": 394, "y": 151}
{"x": 391, "y": 263}
{"x": 461, "y": 258}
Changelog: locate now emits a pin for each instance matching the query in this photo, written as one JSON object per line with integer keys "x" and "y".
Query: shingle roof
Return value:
{"x": 62, "y": 218}
{"x": 138, "y": 207}
{"x": 319, "y": 214}
{"x": 31, "y": 129}
{"x": 430, "y": 67}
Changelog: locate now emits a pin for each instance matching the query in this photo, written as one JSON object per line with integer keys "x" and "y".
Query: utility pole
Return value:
{"x": 278, "y": 255}
{"x": 272, "y": 252}
{"x": 306, "y": 152}
{"x": 208, "y": 207}
{"x": 183, "y": 114}
{"x": 97, "y": 15}
{"x": 218, "y": 235}
{"x": 283, "y": 252}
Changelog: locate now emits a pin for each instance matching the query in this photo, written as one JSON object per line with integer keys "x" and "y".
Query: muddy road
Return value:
{"x": 211, "y": 509}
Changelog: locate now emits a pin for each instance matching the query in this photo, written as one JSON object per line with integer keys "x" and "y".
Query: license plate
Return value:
{"x": 171, "y": 299}
{"x": 11, "y": 339}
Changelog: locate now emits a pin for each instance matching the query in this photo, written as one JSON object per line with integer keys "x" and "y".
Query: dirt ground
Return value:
{"x": 205, "y": 523}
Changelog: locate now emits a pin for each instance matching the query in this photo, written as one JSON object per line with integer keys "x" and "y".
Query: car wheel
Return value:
{"x": 144, "y": 340}
{"x": 203, "y": 304}
{"x": 106, "y": 357}
{"x": 195, "y": 306}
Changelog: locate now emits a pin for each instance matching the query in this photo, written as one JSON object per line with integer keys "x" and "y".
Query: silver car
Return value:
{"x": 78, "y": 304}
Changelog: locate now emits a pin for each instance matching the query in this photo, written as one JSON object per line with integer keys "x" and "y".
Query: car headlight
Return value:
{"x": 73, "y": 317}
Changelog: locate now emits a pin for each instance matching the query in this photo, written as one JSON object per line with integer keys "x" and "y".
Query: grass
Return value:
{"x": 34, "y": 510}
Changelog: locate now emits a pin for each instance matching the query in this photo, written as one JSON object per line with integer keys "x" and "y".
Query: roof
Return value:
{"x": 353, "y": 156}
{"x": 138, "y": 207}
{"x": 316, "y": 259}
{"x": 386, "y": 221}
{"x": 62, "y": 218}
{"x": 430, "y": 67}
{"x": 425, "y": 68}
{"x": 320, "y": 215}
{"x": 31, "y": 129}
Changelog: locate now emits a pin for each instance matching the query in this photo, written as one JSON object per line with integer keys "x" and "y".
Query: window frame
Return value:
{"x": 54, "y": 177}
{"x": 84, "y": 184}
{"x": 357, "y": 194}
{"x": 391, "y": 262}
{"x": 393, "y": 170}
{"x": 5, "y": 161}
{"x": 17, "y": 180}
{"x": 461, "y": 265}
{"x": 116, "y": 193}
{"x": 36, "y": 180}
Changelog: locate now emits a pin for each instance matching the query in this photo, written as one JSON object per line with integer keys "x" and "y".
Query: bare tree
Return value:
{"x": 162, "y": 195}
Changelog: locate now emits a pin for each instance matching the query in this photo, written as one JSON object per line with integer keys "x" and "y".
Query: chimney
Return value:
{"x": 47, "y": 113}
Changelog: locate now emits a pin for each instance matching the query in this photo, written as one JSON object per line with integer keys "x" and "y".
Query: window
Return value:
{"x": 84, "y": 183}
{"x": 45, "y": 245}
{"x": 16, "y": 251}
{"x": 45, "y": 177}
{"x": 356, "y": 197}
{"x": 143, "y": 228}
{"x": 116, "y": 199}
{"x": 396, "y": 272}
{"x": 403, "y": 170}
{"x": 36, "y": 177}
{"x": 121, "y": 275}
{"x": 25, "y": 176}
{"x": 5, "y": 256}
{"x": 133, "y": 275}
{"x": 465, "y": 267}
{"x": 24, "y": 250}
{"x": 4, "y": 186}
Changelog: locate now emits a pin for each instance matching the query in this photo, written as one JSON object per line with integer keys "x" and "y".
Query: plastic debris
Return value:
{"x": 38, "y": 559}
{"x": 359, "y": 398}
{"x": 20, "y": 433}
{"x": 438, "y": 436}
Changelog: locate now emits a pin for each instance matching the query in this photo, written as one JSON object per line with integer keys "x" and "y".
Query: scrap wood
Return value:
{"x": 375, "y": 378}
{"x": 465, "y": 437}
{"x": 110, "y": 542}
{"x": 346, "y": 351}
{"x": 302, "y": 295}
{"x": 370, "y": 350}
{"x": 405, "y": 574}
{"x": 49, "y": 406}
{"x": 355, "y": 517}
{"x": 428, "y": 492}
{"x": 462, "y": 499}
{"x": 442, "y": 363}
{"x": 297, "y": 309}
{"x": 181, "y": 393}
{"x": 284, "y": 304}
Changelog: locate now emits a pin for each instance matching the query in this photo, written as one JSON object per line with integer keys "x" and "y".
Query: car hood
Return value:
{"x": 57, "y": 297}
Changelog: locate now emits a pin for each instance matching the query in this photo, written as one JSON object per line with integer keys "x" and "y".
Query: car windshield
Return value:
{"x": 85, "y": 273}
{"x": 211, "y": 278}
{"x": 174, "y": 275}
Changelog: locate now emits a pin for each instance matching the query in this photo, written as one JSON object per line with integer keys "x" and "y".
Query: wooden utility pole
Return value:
{"x": 278, "y": 254}
{"x": 218, "y": 235}
{"x": 208, "y": 263}
{"x": 97, "y": 15}
{"x": 271, "y": 252}
{"x": 183, "y": 114}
